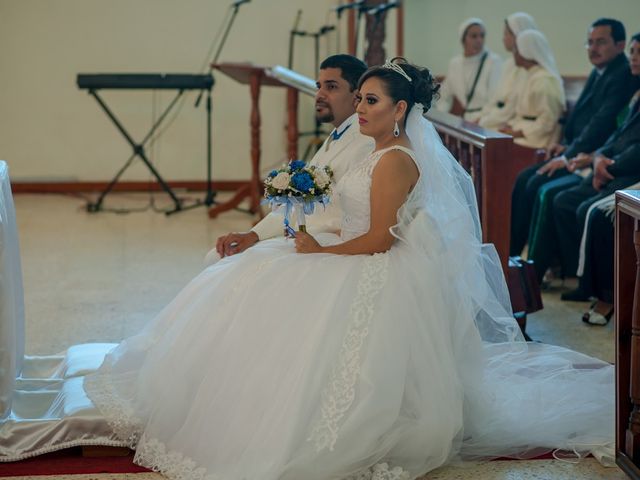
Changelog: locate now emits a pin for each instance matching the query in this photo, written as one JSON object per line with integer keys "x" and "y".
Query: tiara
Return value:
{"x": 396, "y": 68}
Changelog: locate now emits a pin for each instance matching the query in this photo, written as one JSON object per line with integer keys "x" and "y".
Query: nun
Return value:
{"x": 502, "y": 107}
{"x": 541, "y": 101}
{"x": 473, "y": 76}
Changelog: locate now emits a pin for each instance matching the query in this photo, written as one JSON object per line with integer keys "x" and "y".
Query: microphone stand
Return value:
{"x": 315, "y": 139}
{"x": 361, "y": 9}
{"x": 210, "y": 196}
{"x": 292, "y": 36}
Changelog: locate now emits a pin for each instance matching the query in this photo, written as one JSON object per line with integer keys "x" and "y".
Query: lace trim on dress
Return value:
{"x": 117, "y": 412}
{"x": 381, "y": 471}
{"x": 153, "y": 454}
{"x": 340, "y": 391}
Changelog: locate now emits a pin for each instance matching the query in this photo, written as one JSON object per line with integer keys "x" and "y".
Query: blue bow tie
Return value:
{"x": 336, "y": 136}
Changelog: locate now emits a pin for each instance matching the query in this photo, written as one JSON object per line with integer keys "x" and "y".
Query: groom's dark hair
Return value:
{"x": 351, "y": 67}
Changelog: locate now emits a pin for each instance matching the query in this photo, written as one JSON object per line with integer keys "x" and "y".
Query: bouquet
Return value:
{"x": 298, "y": 187}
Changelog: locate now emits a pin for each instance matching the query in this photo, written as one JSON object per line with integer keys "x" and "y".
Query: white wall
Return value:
{"x": 431, "y": 27}
{"x": 50, "y": 130}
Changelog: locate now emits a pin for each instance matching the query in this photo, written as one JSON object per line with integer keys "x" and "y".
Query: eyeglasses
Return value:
{"x": 599, "y": 42}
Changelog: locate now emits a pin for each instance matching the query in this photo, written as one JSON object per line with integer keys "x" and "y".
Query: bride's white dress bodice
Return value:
{"x": 354, "y": 194}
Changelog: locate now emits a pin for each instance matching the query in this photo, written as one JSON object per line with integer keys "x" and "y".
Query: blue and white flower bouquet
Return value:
{"x": 297, "y": 187}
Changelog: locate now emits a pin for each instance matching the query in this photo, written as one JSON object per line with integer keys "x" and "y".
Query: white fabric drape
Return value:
{"x": 11, "y": 296}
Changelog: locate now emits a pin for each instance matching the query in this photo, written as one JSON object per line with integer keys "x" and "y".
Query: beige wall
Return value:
{"x": 431, "y": 26}
{"x": 50, "y": 130}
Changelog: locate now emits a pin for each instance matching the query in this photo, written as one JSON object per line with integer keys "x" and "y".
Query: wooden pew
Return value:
{"x": 627, "y": 324}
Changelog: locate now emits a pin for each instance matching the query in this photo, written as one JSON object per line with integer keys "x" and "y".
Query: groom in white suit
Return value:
{"x": 336, "y": 104}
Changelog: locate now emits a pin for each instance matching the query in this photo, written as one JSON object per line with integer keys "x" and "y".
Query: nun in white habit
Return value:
{"x": 541, "y": 101}
{"x": 472, "y": 76}
{"x": 502, "y": 106}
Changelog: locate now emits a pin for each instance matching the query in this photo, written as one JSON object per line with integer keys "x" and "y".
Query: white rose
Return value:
{"x": 321, "y": 178}
{"x": 281, "y": 181}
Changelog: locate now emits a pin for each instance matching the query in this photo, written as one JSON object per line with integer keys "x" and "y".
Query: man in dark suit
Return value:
{"x": 593, "y": 119}
{"x": 596, "y": 277}
{"x": 616, "y": 165}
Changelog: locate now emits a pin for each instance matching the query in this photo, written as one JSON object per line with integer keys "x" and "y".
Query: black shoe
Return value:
{"x": 575, "y": 295}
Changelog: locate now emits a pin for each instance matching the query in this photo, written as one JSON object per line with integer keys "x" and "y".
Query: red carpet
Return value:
{"x": 70, "y": 461}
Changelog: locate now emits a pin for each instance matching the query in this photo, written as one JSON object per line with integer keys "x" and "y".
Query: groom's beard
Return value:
{"x": 326, "y": 116}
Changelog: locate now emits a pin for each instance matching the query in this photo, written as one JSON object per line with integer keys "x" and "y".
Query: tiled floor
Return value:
{"x": 100, "y": 277}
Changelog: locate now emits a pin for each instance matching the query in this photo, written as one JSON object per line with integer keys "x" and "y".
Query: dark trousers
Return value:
{"x": 543, "y": 242}
{"x": 523, "y": 198}
{"x": 597, "y": 276}
{"x": 570, "y": 210}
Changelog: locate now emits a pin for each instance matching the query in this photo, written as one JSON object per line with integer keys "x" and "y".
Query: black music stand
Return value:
{"x": 148, "y": 81}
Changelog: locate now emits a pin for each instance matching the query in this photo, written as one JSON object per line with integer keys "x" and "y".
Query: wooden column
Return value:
{"x": 292, "y": 123}
{"x": 627, "y": 323}
{"x": 632, "y": 447}
{"x": 375, "y": 34}
{"x": 256, "y": 120}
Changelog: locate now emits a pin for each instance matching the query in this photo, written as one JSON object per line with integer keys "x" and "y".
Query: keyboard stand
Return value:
{"x": 139, "y": 151}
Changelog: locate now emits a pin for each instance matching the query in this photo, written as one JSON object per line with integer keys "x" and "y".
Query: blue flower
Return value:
{"x": 302, "y": 181}
{"x": 273, "y": 173}
{"x": 297, "y": 165}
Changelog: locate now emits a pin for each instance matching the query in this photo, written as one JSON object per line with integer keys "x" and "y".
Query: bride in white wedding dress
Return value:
{"x": 381, "y": 352}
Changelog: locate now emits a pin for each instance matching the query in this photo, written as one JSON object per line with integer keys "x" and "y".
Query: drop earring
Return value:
{"x": 396, "y": 130}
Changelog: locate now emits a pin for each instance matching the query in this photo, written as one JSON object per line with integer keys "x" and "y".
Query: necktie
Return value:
{"x": 336, "y": 136}
{"x": 635, "y": 103}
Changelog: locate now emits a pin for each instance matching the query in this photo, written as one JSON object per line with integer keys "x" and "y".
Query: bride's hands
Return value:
{"x": 305, "y": 243}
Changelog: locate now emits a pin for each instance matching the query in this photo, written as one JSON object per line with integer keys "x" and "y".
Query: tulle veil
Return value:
{"x": 521, "y": 398}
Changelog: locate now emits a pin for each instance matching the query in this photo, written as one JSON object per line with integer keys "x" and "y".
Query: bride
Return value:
{"x": 381, "y": 352}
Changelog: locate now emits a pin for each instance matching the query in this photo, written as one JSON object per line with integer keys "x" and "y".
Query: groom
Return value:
{"x": 335, "y": 104}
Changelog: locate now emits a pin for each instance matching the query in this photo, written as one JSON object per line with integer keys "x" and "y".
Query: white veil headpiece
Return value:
{"x": 445, "y": 199}
{"x": 467, "y": 23}
{"x": 520, "y": 21}
{"x": 533, "y": 45}
{"x": 567, "y": 395}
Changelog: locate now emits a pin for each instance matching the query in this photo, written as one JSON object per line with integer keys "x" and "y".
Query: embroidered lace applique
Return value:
{"x": 381, "y": 471}
{"x": 153, "y": 454}
{"x": 118, "y": 413}
{"x": 340, "y": 392}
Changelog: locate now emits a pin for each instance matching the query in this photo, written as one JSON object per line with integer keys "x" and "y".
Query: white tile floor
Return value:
{"x": 100, "y": 277}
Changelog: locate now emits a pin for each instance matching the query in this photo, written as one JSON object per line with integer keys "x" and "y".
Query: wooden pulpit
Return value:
{"x": 257, "y": 76}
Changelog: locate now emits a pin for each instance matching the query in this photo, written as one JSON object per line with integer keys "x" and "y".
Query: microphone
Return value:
{"x": 383, "y": 8}
{"x": 326, "y": 29}
{"x": 237, "y": 3}
{"x": 348, "y": 6}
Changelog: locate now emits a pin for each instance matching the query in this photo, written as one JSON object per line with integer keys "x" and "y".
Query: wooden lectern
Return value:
{"x": 256, "y": 76}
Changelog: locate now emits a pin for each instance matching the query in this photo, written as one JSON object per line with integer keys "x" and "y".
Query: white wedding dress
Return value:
{"x": 276, "y": 365}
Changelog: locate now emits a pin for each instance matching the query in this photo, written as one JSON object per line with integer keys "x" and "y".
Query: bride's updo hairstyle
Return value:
{"x": 422, "y": 88}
